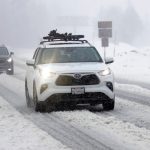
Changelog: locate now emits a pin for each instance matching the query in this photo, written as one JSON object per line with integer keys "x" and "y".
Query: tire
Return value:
{"x": 38, "y": 106}
{"x": 28, "y": 100}
{"x": 109, "y": 105}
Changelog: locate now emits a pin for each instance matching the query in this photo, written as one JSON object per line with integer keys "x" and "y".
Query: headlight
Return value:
{"x": 105, "y": 72}
{"x": 9, "y": 59}
{"x": 46, "y": 73}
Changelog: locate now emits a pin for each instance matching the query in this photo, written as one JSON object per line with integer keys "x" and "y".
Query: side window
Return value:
{"x": 35, "y": 53}
{"x": 38, "y": 55}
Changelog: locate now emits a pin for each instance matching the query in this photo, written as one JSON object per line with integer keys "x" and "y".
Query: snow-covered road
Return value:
{"x": 127, "y": 127}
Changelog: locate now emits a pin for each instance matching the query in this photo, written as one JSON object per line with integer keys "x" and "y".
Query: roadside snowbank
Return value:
{"x": 130, "y": 63}
{"x": 18, "y": 133}
{"x": 134, "y": 89}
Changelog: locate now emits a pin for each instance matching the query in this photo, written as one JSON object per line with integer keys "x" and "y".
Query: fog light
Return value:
{"x": 9, "y": 69}
{"x": 43, "y": 88}
{"x": 110, "y": 85}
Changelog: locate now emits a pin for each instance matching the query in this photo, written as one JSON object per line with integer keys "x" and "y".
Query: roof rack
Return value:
{"x": 54, "y": 36}
{"x": 64, "y": 42}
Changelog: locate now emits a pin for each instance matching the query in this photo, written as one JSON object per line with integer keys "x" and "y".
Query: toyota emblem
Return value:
{"x": 77, "y": 76}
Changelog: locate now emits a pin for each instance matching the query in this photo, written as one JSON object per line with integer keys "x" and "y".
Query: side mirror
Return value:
{"x": 109, "y": 60}
{"x": 30, "y": 62}
{"x": 11, "y": 53}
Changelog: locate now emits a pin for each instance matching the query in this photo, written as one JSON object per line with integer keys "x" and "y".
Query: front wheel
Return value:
{"x": 28, "y": 100}
{"x": 38, "y": 106}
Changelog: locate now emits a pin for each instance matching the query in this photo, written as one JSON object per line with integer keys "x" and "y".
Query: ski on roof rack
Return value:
{"x": 54, "y": 36}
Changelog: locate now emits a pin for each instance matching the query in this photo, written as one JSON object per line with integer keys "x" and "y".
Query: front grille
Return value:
{"x": 66, "y": 80}
{"x": 2, "y": 61}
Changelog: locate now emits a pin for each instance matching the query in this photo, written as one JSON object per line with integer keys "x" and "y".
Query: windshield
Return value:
{"x": 3, "y": 51}
{"x": 69, "y": 55}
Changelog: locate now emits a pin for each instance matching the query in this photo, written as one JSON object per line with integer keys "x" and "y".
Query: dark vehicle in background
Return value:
{"x": 6, "y": 61}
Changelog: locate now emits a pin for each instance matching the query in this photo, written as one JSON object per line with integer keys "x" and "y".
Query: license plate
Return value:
{"x": 78, "y": 90}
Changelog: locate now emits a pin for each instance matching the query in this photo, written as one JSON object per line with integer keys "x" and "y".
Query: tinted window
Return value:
{"x": 3, "y": 51}
{"x": 69, "y": 54}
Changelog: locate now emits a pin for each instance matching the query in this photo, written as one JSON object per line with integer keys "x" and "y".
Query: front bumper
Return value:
{"x": 87, "y": 98}
{"x": 99, "y": 92}
{"x": 5, "y": 67}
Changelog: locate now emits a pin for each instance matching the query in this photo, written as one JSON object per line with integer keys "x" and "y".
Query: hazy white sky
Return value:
{"x": 142, "y": 7}
{"x": 23, "y": 22}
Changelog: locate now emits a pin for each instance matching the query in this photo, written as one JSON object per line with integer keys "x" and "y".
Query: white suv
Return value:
{"x": 68, "y": 72}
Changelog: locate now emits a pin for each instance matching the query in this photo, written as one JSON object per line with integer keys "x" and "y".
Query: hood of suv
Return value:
{"x": 73, "y": 67}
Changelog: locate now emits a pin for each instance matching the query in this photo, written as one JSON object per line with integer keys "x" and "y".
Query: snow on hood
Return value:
{"x": 73, "y": 67}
